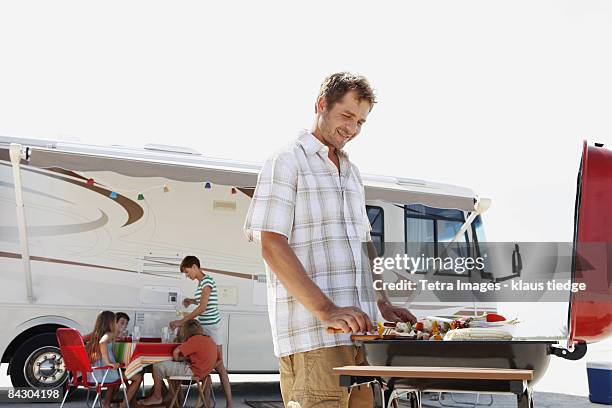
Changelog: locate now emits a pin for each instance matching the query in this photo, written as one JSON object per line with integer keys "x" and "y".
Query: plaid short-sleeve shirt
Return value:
{"x": 301, "y": 195}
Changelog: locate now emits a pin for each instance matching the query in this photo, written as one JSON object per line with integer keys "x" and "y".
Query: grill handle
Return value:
{"x": 579, "y": 351}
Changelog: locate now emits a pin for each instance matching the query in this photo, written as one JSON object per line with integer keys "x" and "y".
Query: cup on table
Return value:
{"x": 124, "y": 334}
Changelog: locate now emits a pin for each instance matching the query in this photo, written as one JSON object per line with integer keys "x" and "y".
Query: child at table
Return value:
{"x": 122, "y": 320}
{"x": 100, "y": 353}
{"x": 195, "y": 357}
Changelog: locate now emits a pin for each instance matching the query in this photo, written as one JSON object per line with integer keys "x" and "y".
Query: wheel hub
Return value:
{"x": 44, "y": 367}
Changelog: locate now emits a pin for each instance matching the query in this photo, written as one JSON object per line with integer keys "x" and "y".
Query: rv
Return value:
{"x": 87, "y": 228}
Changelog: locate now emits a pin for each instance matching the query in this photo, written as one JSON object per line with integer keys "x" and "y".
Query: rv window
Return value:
{"x": 427, "y": 229}
{"x": 377, "y": 221}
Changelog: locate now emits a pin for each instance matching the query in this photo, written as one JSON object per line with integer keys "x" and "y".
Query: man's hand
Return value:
{"x": 189, "y": 301}
{"x": 175, "y": 323}
{"x": 394, "y": 313}
{"x": 348, "y": 319}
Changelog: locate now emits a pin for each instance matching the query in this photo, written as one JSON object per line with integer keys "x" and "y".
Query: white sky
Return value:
{"x": 496, "y": 96}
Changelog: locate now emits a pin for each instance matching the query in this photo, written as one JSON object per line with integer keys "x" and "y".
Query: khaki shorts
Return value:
{"x": 307, "y": 379}
{"x": 171, "y": 368}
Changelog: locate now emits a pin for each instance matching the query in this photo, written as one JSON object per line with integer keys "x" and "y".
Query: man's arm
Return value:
{"x": 387, "y": 309}
{"x": 287, "y": 267}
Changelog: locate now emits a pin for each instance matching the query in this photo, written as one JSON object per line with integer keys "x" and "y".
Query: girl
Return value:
{"x": 100, "y": 353}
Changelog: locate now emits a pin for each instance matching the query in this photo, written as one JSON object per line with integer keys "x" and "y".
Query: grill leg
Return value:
{"x": 525, "y": 399}
{"x": 379, "y": 395}
{"x": 391, "y": 397}
{"x": 416, "y": 399}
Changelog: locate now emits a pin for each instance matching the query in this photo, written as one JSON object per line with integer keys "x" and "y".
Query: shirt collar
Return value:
{"x": 313, "y": 145}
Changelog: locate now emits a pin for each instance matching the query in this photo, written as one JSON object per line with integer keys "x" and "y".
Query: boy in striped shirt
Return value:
{"x": 207, "y": 313}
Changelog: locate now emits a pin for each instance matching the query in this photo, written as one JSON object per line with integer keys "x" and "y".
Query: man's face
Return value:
{"x": 122, "y": 325}
{"x": 343, "y": 121}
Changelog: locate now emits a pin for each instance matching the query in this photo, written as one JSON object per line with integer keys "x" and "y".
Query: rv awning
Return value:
{"x": 139, "y": 163}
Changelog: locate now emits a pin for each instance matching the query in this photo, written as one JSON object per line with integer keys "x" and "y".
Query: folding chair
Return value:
{"x": 78, "y": 366}
{"x": 175, "y": 383}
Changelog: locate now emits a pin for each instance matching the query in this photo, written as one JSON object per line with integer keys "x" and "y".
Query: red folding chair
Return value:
{"x": 78, "y": 366}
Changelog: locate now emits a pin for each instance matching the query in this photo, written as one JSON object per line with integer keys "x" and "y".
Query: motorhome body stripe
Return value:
{"x": 219, "y": 271}
{"x": 61, "y": 261}
{"x": 247, "y": 190}
{"x": 64, "y": 262}
{"x": 55, "y": 230}
{"x": 133, "y": 209}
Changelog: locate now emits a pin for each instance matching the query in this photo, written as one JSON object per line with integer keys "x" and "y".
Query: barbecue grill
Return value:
{"x": 589, "y": 314}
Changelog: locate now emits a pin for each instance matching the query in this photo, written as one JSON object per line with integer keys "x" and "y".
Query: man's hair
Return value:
{"x": 120, "y": 315}
{"x": 335, "y": 86}
{"x": 189, "y": 261}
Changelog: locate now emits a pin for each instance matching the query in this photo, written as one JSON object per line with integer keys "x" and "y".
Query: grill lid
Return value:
{"x": 590, "y": 311}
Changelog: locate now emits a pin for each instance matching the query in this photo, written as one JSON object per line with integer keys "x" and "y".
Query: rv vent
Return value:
{"x": 224, "y": 205}
{"x": 261, "y": 278}
{"x": 161, "y": 265}
{"x": 172, "y": 149}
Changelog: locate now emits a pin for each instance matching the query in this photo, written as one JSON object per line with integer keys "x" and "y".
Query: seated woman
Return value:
{"x": 195, "y": 357}
{"x": 100, "y": 353}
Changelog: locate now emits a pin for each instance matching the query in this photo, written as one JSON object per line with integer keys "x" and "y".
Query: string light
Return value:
{"x": 141, "y": 193}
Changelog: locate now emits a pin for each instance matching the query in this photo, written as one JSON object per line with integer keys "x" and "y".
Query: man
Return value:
{"x": 309, "y": 212}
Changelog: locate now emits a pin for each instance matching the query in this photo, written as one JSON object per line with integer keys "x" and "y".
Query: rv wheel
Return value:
{"x": 38, "y": 363}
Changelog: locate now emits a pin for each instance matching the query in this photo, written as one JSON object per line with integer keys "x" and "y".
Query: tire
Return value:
{"x": 38, "y": 363}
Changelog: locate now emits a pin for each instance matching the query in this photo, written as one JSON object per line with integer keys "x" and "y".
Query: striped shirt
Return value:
{"x": 301, "y": 195}
{"x": 211, "y": 314}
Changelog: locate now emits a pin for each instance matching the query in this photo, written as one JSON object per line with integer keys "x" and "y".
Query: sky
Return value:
{"x": 495, "y": 96}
